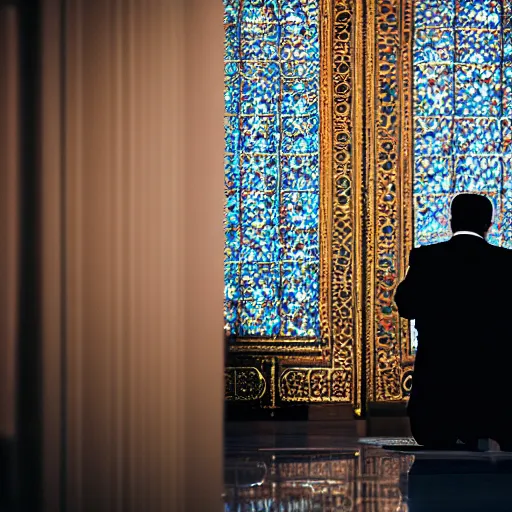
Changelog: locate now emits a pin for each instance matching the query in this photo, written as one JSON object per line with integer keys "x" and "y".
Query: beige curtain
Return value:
{"x": 133, "y": 246}
{"x": 9, "y": 173}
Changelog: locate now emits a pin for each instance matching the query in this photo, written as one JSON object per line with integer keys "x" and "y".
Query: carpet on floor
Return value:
{"x": 407, "y": 445}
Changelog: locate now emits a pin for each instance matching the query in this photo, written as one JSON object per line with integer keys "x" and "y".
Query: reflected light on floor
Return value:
{"x": 364, "y": 479}
{"x": 286, "y": 470}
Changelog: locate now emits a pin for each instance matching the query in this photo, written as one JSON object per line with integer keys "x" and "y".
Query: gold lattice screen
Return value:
{"x": 363, "y": 352}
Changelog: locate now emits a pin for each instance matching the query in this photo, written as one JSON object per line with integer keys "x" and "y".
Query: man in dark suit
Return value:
{"x": 458, "y": 294}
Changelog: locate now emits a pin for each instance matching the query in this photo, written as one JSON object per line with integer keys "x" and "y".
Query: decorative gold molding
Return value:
{"x": 369, "y": 205}
{"x": 389, "y": 183}
{"x": 358, "y": 120}
{"x": 407, "y": 172}
{"x": 315, "y": 385}
{"x": 244, "y": 383}
{"x": 278, "y": 350}
{"x": 325, "y": 217}
{"x": 340, "y": 191}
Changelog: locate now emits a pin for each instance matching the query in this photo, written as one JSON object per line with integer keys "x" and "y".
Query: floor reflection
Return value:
{"x": 363, "y": 479}
{"x": 367, "y": 479}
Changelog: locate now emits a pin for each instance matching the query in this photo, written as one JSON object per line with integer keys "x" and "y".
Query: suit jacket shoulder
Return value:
{"x": 428, "y": 251}
{"x": 501, "y": 258}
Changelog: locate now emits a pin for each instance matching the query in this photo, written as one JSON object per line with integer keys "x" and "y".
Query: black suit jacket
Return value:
{"x": 458, "y": 293}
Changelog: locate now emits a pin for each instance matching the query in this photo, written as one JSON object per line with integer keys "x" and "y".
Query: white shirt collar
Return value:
{"x": 468, "y": 233}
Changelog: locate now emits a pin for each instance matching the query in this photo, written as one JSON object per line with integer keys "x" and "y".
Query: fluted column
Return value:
{"x": 9, "y": 176}
{"x": 142, "y": 178}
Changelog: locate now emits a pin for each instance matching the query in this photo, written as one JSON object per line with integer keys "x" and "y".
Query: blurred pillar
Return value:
{"x": 133, "y": 254}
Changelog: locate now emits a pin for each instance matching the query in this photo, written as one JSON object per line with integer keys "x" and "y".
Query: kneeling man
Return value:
{"x": 459, "y": 294}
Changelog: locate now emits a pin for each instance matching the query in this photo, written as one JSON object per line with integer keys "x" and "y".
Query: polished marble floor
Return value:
{"x": 299, "y": 467}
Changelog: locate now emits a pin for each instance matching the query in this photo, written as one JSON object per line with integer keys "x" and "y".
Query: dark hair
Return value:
{"x": 471, "y": 212}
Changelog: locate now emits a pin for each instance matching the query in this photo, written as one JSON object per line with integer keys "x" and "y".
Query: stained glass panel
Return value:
{"x": 272, "y": 63}
{"x": 462, "y": 108}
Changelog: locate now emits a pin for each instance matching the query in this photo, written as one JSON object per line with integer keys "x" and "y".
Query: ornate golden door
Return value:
{"x": 365, "y": 223}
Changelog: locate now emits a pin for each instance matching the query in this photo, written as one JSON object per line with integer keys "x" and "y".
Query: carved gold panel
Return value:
{"x": 365, "y": 223}
{"x": 388, "y": 184}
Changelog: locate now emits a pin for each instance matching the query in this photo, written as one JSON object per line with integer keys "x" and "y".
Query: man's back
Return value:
{"x": 457, "y": 293}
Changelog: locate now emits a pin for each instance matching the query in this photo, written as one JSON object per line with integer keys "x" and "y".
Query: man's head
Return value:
{"x": 471, "y": 212}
